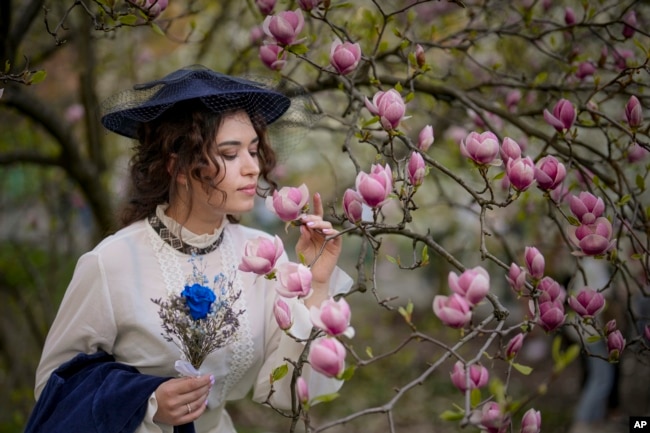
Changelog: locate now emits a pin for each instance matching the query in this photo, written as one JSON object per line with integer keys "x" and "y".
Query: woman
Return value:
{"x": 202, "y": 151}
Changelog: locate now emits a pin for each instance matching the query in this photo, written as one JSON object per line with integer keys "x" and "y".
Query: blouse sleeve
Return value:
{"x": 84, "y": 322}
{"x": 280, "y": 346}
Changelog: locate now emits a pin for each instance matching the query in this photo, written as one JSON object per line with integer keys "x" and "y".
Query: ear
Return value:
{"x": 181, "y": 178}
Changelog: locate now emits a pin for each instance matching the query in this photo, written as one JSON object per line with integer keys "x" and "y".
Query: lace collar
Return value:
{"x": 181, "y": 239}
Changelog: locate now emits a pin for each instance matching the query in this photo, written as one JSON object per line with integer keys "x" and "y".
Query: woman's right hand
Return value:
{"x": 182, "y": 400}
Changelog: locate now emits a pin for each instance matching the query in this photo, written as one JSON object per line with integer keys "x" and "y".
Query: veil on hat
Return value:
{"x": 287, "y": 108}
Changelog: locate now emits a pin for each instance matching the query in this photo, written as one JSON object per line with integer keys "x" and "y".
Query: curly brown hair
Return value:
{"x": 183, "y": 134}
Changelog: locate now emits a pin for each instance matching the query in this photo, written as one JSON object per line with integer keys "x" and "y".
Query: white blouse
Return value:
{"x": 108, "y": 306}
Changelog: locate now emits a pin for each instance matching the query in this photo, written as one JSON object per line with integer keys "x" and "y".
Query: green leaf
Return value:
{"x": 374, "y": 119}
{"x": 128, "y": 20}
{"x": 593, "y": 338}
{"x": 540, "y": 78}
{"x": 298, "y": 49}
{"x": 156, "y": 28}
{"x": 450, "y": 415}
{"x": 279, "y": 373}
{"x": 497, "y": 389}
{"x": 563, "y": 359}
{"x": 325, "y": 398}
{"x": 37, "y": 77}
{"x": 7, "y": 66}
{"x": 348, "y": 373}
{"x": 425, "y": 255}
{"x": 369, "y": 352}
{"x": 523, "y": 369}
{"x": 392, "y": 259}
{"x": 573, "y": 221}
{"x": 624, "y": 200}
{"x": 640, "y": 182}
{"x": 475, "y": 397}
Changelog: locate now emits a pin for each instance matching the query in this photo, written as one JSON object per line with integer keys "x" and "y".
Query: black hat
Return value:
{"x": 124, "y": 112}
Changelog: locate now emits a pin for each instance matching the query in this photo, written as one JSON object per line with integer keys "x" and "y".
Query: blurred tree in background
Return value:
{"x": 563, "y": 88}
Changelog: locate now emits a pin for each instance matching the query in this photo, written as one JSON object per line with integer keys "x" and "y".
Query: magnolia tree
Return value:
{"x": 540, "y": 109}
{"x": 502, "y": 144}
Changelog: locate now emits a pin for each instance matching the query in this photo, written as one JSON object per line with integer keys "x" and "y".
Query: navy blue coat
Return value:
{"x": 95, "y": 394}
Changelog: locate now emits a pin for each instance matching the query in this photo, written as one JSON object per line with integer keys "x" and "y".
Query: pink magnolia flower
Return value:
{"x": 560, "y": 194}
{"x": 261, "y": 254}
{"x": 295, "y": 280}
{"x": 333, "y": 317}
{"x": 420, "y": 59}
{"x": 493, "y": 418}
{"x": 512, "y": 100}
{"x": 327, "y": 356}
{"x": 75, "y": 113}
{"x": 152, "y": 8}
{"x": 389, "y": 106}
{"x": 416, "y": 169}
{"x": 344, "y": 56}
{"x": 549, "y": 173}
{"x": 284, "y": 27}
{"x": 610, "y": 326}
{"x": 531, "y": 422}
{"x": 289, "y": 202}
{"x": 569, "y": 16}
{"x": 282, "y": 313}
{"x": 265, "y": 6}
{"x": 629, "y": 24}
{"x": 302, "y": 390}
{"x": 425, "y": 138}
{"x": 453, "y": 311}
{"x": 585, "y": 69}
{"x": 564, "y": 114}
{"x": 375, "y": 187}
{"x": 620, "y": 57}
{"x": 551, "y": 315}
{"x": 516, "y": 278}
{"x": 273, "y": 56}
{"x": 521, "y": 173}
{"x": 478, "y": 376}
{"x": 257, "y": 35}
{"x": 592, "y": 239}
{"x": 514, "y": 346}
{"x": 480, "y": 148}
{"x": 615, "y": 345}
{"x": 551, "y": 291}
{"x": 636, "y": 152}
{"x": 535, "y": 262}
{"x": 586, "y": 207}
{"x": 587, "y": 303}
{"x": 510, "y": 149}
{"x": 353, "y": 205}
{"x": 307, "y": 5}
{"x": 633, "y": 112}
{"x": 473, "y": 284}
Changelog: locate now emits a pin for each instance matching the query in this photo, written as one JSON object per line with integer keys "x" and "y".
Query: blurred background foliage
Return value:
{"x": 62, "y": 176}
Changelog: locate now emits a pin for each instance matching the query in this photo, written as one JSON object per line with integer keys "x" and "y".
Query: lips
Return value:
{"x": 249, "y": 189}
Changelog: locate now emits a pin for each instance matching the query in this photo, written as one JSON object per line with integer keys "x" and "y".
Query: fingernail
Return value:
{"x": 211, "y": 379}
{"x": 310, "y": 223}
{"x": 327, "y": 230}
{"x": 206, "y": 401}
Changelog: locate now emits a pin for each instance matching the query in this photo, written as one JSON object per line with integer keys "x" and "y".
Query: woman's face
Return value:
{"x": 235, "y": 150}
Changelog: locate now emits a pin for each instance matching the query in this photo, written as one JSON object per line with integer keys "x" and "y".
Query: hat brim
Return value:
{"x": 127, "y": 111}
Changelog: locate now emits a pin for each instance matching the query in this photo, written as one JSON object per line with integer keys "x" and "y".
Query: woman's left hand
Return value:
{"x": 314, "y": 231}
